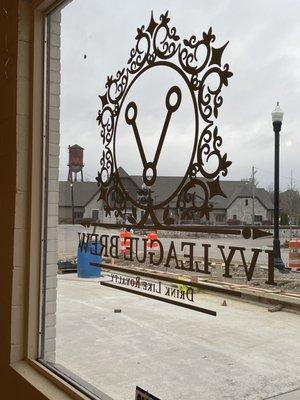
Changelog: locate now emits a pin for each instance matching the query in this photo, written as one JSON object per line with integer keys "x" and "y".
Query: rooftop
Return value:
{"x": 163, "y": 187}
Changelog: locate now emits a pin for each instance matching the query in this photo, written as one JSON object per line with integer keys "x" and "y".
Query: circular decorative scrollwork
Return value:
{"x": 199, "y": 63}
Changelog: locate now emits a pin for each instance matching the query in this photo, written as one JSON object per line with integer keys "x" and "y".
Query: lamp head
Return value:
{"x": 277, "y": 113}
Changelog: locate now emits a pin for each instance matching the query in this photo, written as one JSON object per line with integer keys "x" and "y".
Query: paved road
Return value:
{"x": 245, "y": 352}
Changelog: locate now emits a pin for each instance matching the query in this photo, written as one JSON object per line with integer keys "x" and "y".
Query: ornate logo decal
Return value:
{"x": 156, "y": 46}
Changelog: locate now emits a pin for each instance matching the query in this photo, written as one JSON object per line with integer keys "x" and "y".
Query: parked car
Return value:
{"x": 234, "y": 222}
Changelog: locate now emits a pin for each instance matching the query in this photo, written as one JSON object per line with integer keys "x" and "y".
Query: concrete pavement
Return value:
{"x": 177, "y": 354}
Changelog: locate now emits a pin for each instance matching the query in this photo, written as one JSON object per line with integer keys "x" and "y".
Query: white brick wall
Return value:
{"x": 98, "y": 205}
{"x": 94, "y": 204}
{"x": 53, "y": 164}
{"x": 243, "y": 212}
{"x": 9, "y": 124}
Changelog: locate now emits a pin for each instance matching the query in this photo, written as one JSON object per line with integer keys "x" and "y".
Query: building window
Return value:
{"x": 234, "y": 216}
{"x": 113, "y": 196}
{"x": 220, "y": 217}
{"x": 246, "y": 202}
{"x": 95, "y": 215}
{"x": 78, "y": 214}
{"x": 258, "y": 218}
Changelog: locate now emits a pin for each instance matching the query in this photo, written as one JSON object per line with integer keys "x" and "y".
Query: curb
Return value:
{"x": 289, "y": 301}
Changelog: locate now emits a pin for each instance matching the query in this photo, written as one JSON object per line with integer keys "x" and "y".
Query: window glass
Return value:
{"x": 95, "y": 215}
{"x": 156, "y": 222}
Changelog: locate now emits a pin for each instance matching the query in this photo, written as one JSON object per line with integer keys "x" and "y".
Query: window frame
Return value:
{"x": 258, "y": 218}
{"x": 42, "y": 379}
{"x": 220, "y": 217}
{"x": 96, "y": 210}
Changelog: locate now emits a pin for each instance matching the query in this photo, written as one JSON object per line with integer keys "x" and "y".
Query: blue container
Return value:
{"x": 85, "y": 257}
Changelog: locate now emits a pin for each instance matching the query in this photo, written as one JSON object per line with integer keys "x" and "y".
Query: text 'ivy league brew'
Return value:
{"x": 108, "y": 246}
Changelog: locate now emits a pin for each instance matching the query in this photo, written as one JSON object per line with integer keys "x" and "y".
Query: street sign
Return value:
{"x": 141, "y": 394}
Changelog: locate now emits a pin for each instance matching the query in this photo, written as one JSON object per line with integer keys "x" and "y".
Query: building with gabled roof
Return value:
{"x": 236, "y": 208}
{"x": 83, "y": 192}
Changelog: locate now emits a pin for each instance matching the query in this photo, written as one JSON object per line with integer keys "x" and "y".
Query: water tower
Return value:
{"x": 75, "y": 162}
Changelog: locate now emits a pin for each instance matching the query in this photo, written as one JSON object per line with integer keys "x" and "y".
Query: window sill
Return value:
{"x": 46, "y": 382}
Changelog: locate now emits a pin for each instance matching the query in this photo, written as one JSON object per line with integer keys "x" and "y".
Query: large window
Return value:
{"x": 138, "y": 261}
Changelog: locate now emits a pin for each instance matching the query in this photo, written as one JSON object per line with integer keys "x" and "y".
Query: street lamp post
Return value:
{"x": 277, "y": 116}
{"x": 72, "y": 201}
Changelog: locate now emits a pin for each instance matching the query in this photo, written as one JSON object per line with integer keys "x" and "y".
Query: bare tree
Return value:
{"x": 290, "y": 204}
{"x": 270, "y": 189}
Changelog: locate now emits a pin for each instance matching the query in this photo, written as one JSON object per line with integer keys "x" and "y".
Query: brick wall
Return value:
{"x": 15, "y": 117}
{"x": 53, "y": 131}
{"x": 243, "y": 212}
{"x": 94, "y": 204}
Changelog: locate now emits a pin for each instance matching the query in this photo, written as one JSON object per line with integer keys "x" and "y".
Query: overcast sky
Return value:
{"x": 263, "y": 53}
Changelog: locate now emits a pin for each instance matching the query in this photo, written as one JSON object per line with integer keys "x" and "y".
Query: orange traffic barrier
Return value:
{"x": 124, "y": 242}
{"x": 294, "y": 254}
{"x": 153, "y": 246}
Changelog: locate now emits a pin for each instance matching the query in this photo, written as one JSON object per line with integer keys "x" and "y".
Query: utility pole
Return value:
{"x": 291, "y": 181}
{"x": 72, "y": 202}
{"x": 253, "y": 193}
{"x": 290, "y": 204}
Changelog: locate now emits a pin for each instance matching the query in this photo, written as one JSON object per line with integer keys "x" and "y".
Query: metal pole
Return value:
{"x": 290, "y": 217}
{"x": 72, "y": 200}
{"x": 253, "y": 197}
{"x": 278, "y": 263}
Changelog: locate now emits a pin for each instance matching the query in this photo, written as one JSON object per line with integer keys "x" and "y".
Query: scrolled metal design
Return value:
{"x": 114, "y": 199}
{"x": 189, "y": 198}
{"x": 199, "y": 64}
{"x": 208, "y": 148}
{"x": 189, "y": 57}
{"x": 117, "y": 86}
{"x": 106, "y": 172}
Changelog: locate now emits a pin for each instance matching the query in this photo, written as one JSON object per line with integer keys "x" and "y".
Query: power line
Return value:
{"x": 253, "y": 193}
